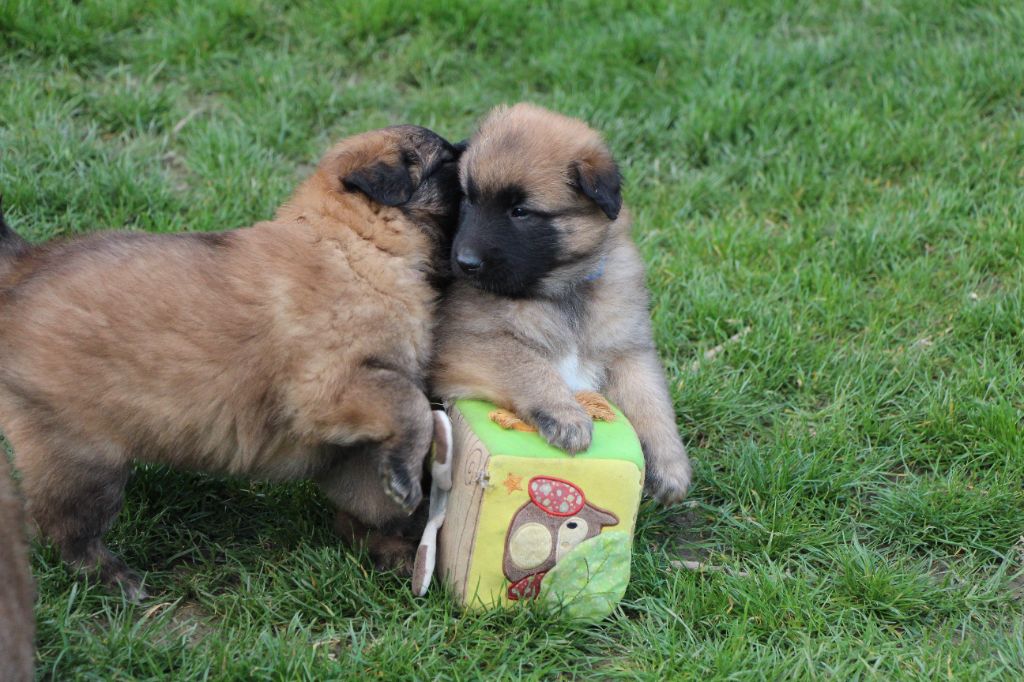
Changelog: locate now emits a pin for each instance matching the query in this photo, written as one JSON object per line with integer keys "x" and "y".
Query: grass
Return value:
{"x": 845, "y": 178}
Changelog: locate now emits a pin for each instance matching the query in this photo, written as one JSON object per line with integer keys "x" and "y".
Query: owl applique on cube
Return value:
{"x": 555, "y": 520}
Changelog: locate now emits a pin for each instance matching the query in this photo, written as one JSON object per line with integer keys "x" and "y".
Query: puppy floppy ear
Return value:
{"x": 386, "y": 183}
{"x": 598, "y": 177}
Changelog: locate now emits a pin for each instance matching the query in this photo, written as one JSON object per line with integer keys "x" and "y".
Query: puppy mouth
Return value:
{"x": 505, "y": 284}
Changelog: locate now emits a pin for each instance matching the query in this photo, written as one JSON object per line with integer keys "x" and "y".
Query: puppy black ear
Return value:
{"x": 601, "y": 181}
{"x": 388, "y": 184}
{"x": 461, "y": 147}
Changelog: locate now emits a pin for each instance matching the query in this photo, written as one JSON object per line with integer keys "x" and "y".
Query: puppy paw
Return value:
{"x": 123, "y": 579}
{"x": 567, "y": 428}
{"x": 669, "y": 480}
{"x": 401, "y": 484}
{"x": 393, "y": 554}
{"x": 112, "y": 572}
{"x": 135, "y": 592}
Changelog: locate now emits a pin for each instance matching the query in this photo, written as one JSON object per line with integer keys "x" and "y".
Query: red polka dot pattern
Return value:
{"x": 555, "y": 496}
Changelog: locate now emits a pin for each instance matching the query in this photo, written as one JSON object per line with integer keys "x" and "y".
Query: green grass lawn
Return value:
{"x": 844, "y": 178}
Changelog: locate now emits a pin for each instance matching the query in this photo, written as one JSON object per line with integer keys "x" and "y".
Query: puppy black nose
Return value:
{"x": 468, "y": 261}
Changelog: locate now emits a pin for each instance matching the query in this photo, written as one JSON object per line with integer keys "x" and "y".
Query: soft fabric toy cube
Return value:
{"x": 526, "y": 520}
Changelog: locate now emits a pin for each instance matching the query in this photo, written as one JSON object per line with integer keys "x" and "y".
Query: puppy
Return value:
{"x": 295, "y": 348}
{"x": 17, "y": 624}
{"x": 550, "y": 296}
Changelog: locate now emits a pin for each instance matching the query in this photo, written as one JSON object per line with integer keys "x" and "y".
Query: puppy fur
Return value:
{"x": 17, "y": 624}
{"x": 295, "y": 348}
{"x": 550, "y": 296}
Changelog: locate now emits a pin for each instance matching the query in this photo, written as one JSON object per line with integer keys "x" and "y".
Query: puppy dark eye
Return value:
{"x": 518, "y": 212}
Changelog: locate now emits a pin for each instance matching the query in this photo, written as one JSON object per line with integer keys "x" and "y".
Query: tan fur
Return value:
{"x": 510, "y": 350}
{"x": 17, "y": 623}
{"x": 294, "y": 348}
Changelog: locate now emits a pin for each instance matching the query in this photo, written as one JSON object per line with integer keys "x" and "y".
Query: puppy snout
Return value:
{"x": 468, "y": 261}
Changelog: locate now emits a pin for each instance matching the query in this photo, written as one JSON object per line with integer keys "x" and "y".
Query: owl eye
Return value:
{"x": 572, "y": 532}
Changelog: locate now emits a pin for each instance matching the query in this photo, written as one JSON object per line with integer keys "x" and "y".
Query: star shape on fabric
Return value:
{"x": 512, "y": 483}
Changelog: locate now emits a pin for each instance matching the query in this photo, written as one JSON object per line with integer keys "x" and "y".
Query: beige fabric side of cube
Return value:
{"x": 469, "y": 479}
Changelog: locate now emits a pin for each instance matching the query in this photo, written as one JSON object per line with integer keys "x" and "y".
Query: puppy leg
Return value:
{"x": 636, "y": 383}
{"x": 515, "y": 376}
{"x": 73, "y": 500}
{"x": 377, "y": 485}
{"x": 392, "y": 548}
{"x": 17, "y": 623}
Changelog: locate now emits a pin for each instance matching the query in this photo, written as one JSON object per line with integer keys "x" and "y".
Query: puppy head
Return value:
{"x": 408, "y": 167}
{"x": 541, "y": 193}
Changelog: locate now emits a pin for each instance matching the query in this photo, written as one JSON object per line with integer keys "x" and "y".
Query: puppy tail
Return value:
{"x": 12, "y": 246}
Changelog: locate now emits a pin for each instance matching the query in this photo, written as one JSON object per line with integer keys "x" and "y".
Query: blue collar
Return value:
{"x": 598, "y": 271}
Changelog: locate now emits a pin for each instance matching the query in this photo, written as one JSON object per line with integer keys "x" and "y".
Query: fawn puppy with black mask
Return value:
{"x": 549, "y": 297}
{"x": 296, "y": 348}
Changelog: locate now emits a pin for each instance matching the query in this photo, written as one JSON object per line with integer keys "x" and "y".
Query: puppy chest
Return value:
{"x": 580, "y": 373}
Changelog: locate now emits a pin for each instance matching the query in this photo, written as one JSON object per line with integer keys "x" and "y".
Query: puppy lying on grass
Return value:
{"x": 550, "y": 298}
{"x": 295, "y": 348}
